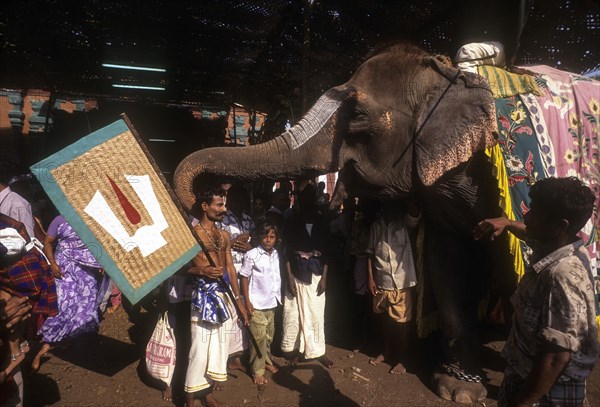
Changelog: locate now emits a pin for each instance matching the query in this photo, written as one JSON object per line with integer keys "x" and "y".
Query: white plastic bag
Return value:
{"x": 160, "y": 351}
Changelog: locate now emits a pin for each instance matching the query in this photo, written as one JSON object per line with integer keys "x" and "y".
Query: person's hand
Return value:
{"x": 56, "y": 271}
{"x": 304, "y": 255}
{"x": 241, "y": 243}
{"x": 322, "y": 286}
{"x": 373, "y": 287}
{"x": 250, "y": 310}
{"x": 490, "y": 228}
{"x": 13, "y": 311}
{"x": 291, "y": 286}
{"x": 208, "y": 271}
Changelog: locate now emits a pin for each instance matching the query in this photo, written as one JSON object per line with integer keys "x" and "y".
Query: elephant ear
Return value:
{"x": 456, "y": 120}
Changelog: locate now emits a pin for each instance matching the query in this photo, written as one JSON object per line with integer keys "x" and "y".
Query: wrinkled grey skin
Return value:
{"x": 365, "y": 129}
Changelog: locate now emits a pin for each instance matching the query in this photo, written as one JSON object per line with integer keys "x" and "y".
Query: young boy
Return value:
{"x": 553, "y": 344}
{"x": 261, "y": 286}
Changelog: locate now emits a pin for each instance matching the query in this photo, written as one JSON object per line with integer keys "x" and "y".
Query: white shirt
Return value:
{"x": 264, "y": 287}
{"x": 17, "y": 207}
{"x": 393, "y": 262}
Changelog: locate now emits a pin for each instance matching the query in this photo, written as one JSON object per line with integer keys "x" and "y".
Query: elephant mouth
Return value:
{"x": 352, "y": 182}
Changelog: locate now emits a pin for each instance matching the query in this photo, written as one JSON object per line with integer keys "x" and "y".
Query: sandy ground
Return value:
{"x": 105, "y": 370}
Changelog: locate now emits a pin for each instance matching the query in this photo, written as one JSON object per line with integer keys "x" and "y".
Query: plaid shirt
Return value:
{"x": 29, "y": 276}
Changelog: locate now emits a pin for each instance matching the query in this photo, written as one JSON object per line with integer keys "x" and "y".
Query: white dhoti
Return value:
{"x": 304, "y": 320}
{"x": 209, "y": 351}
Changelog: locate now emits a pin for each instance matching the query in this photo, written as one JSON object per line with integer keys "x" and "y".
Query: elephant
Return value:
{"x": 406, "y": 123}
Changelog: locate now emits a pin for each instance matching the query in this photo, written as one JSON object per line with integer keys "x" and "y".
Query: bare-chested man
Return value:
{"x": 211, "y": 308}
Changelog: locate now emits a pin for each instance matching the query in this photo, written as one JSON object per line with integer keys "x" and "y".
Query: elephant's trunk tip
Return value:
{"x": 183, "y": 182}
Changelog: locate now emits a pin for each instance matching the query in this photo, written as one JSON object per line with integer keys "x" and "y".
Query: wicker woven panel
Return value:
{"x": 111, "y": 192}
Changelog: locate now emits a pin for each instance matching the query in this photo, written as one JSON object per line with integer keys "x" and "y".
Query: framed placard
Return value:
{"x": 109, "y": 189}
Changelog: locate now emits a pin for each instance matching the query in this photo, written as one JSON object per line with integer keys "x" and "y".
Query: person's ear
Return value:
{"x": 204, "y": 206}
{"x": 560, "y": 227}
{"x": 563, "y": 226}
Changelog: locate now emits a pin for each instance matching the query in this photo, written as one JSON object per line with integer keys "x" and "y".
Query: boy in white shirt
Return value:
{"x": 261, "y": 286}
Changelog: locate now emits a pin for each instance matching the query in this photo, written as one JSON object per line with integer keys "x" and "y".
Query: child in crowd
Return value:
{"x": 261, "y": 286}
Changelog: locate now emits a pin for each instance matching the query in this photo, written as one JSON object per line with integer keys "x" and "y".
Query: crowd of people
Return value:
{"x": 259, "y": 287}
{"x": 52, "y": 289}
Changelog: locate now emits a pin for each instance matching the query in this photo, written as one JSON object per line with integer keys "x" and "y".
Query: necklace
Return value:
{"x": 218, "y": 243}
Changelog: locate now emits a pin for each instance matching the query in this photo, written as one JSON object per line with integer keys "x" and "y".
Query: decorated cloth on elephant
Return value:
{"x": 565, "y": 119}
{"x": 550, "y": 132}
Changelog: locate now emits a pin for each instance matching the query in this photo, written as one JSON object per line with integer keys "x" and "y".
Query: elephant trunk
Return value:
{"x": 308, "y": 146}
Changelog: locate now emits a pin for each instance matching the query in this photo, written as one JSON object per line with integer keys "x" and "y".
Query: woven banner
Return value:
{"x": 109, "y": 189}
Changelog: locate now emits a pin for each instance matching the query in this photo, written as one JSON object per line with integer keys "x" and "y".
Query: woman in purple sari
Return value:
{"x": 75, "y": 271}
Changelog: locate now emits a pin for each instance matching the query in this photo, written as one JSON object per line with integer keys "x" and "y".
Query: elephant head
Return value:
{"x": 403, "y": 119}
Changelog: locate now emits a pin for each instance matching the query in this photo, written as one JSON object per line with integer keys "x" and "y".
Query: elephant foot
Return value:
{"x": 461, "y": 391}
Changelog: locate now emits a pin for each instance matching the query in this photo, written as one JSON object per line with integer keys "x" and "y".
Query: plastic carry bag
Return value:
{"x": 160, "y": 351}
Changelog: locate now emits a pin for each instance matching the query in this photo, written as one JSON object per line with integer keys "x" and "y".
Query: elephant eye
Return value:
{"x": 358, "y": 121}
{"x": 354, "y": 121}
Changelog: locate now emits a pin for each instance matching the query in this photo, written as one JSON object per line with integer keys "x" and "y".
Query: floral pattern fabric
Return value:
{"x": 77, "y": 290}
{"x": 565, "y": 119}
{"x": 522, "y": 157}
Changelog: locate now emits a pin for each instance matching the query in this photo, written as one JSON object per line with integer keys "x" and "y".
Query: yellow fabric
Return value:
{"x": 505, "y": 203}
{"x": 505, "y": 84}
{"x": 398, "y": 304}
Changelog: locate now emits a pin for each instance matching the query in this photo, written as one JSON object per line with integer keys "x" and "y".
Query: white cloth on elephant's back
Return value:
{"x": 470, "y": 56}
{"x": 393, "y": 261}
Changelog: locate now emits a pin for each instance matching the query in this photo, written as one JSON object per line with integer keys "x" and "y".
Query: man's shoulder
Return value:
{"x": 17, "y": 200}
{"x": 574, "y": 268}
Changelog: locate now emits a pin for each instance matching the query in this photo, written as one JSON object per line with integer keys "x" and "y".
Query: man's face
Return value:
{"x": 539, "y": 226}
{"x": 259, "y": 205}
{"x": 281, "y": 202}
{"x": 216, "y": 210}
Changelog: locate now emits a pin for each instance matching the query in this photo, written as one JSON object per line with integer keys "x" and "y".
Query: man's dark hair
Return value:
{"x": 564, "y": 198}
{"x": 238, "y": 194}
{"x": 307, "y": 197}
{"x": 7, "y": 171}
{"x": 206, "y": 196}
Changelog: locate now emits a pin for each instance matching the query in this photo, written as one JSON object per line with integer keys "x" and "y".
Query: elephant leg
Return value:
{"x": 457, "y": 288}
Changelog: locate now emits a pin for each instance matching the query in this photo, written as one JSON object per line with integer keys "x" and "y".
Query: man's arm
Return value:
{"x": 201, "y": 267}
{"x": 548, "y": 366}
{"x": 245, "y": 281}
{"x": 492, "y": 228}
{"x": 22, "y": 212}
